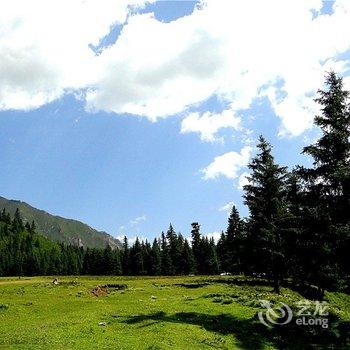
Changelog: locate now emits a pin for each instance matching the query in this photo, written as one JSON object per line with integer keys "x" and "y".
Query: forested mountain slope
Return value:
{"x": 60, "y": 229}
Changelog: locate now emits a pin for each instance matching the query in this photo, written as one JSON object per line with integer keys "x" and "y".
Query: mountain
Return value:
{"x": 60, "y": 229}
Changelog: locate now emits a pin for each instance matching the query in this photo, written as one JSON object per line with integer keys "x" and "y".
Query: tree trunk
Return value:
{"x": 276, "y": 285}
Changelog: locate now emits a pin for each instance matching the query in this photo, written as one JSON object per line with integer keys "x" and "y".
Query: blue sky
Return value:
{"x": 157, "y": 119}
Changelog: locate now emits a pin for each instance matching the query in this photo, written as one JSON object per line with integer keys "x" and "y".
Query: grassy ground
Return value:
{"x": 150, "y": 313}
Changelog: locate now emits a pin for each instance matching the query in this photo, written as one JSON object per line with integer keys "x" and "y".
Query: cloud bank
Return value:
{"x": 237, "y": 51}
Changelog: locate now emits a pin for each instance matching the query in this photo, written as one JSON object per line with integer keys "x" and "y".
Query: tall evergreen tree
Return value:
{"x": 117, "y": 264}
{"x": 174, "y": 247}
{"x": 156, "y": 259}
{"x": 328, "y": 185}
{"x": 125, "y": 256}
{"x": 167, "y": 264}
{"x": 213, "y": 261}
{"x": 147, "y": 257}
{"x": 222, "y": 251}
{"x": 17, "y": 223}
{"x": 136, "y": 258}
{"x": 108, "y": 261}
{"x": 298, "y": 240}
{"x": 197, "y": 246}
{"x": 265, "y": 196}
{"x": 232, "y": 235}
{"x": 32, "y": 227}
{"x": 187, "y": 259}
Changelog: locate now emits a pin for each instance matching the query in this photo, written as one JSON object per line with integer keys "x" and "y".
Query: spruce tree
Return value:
{"x": 265, "y": 196}
{"x": 197, "y": 246}
{"x": 147, "y": 257}
{"x": 17, "y": 223}
{"x": 328, "y": 186}
{"x": 213, "y": 261}
{"x": 108, "y": 261}
{"x": 136, "y": 258}
{"x": 298, "y": 237}
{"x": 330, "y": 176}
{"x": 117, "y": 265}
{"x": 125, "y": 257}
{"x": 156, "y": 260}
{"x": 174, "y": 247}
{"x": 232, "y": 236}
{"x": 32, "y": 227}
{"x": 167, "y": 264}
{"x": 188, "y": 262}
{"x": 222, "y": 251}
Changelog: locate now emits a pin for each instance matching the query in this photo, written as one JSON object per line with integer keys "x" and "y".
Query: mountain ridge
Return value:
{"x": 58, "y": 228}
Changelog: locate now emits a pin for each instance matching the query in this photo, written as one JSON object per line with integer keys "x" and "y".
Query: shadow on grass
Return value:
{"x": 192, "y": 285}
{"x": 307, "y": 291}
{"x": 250, "y": 334}
{"x": 241, "y": 281}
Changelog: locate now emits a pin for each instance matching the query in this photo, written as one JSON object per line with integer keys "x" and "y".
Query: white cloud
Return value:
{"x": 224, "y": 49}
{"x": 137, "y": 220}
{"x": 157, "y": 69}
{"x": 347, "y": 83}
{"x": 208, "y": 124}
{"x": 228, "y": 164}
{"x": 44, "y": 47}
{"x": 227, "y": 207}
{"x": 235, "y": 50}
{"x": 242, "y": 180}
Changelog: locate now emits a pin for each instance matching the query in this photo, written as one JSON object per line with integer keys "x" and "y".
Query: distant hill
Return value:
{"x": 60, "y": 229}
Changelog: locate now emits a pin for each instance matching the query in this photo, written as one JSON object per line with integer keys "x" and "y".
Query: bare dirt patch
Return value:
{"x": 99, "y": 291}
{"x": 103, "y": 290}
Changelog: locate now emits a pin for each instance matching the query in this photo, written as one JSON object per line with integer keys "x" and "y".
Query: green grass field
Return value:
{"x": 150, "y": 313}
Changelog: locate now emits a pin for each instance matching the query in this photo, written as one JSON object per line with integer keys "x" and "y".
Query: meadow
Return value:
{"x": 150, "y": 313}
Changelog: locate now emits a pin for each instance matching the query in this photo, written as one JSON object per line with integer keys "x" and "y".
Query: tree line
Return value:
{"x": 24, "y": 252}
{"x": 298, "y": 225}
